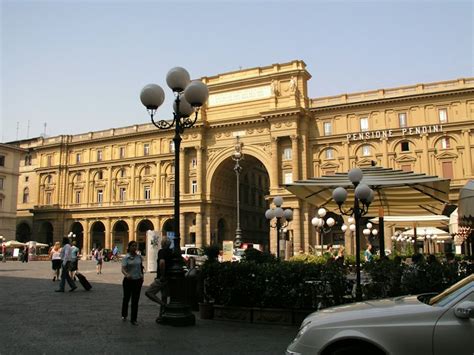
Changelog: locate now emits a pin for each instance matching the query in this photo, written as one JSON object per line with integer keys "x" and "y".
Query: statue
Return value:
{"x": 274, "y": 87}
{"x": 293, "y": 84}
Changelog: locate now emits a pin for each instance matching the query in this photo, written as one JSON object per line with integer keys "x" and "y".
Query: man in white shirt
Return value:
{"x": 66, "y": 258}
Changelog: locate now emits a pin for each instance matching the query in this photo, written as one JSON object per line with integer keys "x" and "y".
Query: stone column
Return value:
{"x": 182, "y": 172}
{"x": 134, "y": 195}
{"x": 132, "y": 230}
{"x": 182, "y": 226}
{"x": 385, "y": 152}
{"x": 86, "y": 240}
{"x": 200, "y": 162}
{"x": 468, "y": 155}
{"x": 199, "y": 229}
{"x": 346, "y": 156}
{"x": 296, "y": 157}
{"x": 274, "y": 177}
{"x": 108, "y": 234}
{"x": 296, "y": 224}
{"x": 110, "y": 189}
{"x": 426, "y": 157}
{"x": 87, "y": 193}
{"x": 157, "y": 189}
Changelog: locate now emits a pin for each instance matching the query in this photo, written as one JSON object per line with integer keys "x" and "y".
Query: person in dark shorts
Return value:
{"x": 55, "y": 256}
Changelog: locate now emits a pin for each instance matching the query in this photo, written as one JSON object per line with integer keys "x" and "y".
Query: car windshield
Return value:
{"x": 452, "y": 292}
{"x": 239, "y": 252}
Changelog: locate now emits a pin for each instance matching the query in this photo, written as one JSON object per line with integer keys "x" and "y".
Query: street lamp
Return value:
{"x": 189, "y": 97}
{"x": 318, "y": 223}
{"x": 237, "y": 156}
{"x": 283, "y": 217}
{"x": 364, "y": 194}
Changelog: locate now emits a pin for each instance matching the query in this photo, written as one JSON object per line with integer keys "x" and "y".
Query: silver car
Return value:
{"x": 441, "y": 324}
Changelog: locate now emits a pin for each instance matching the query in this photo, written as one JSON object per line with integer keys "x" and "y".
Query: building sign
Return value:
{"x": 233, "y": 97}
{"x": 387, "y": 133}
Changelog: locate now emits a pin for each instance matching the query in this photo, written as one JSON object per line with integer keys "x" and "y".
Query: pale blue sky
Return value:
{"x": 80, "y": 65}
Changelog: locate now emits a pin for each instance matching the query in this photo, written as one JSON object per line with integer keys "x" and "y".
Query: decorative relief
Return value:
{"x": 218, "y": 135}
{"x": 227, "y": 134}
{"x": 289, "y": 124}
{"x": 278, "y": 125}
{"x": 194, "y": 135}
{"x": 250, "y": 131}
{"x": 260, "y": 130}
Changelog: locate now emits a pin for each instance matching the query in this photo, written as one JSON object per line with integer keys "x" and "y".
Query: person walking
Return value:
{"x": 165, "y": 257}
{"x": 66, "y": 257}
{"x": 368, "y": 256}
{"x": 25, "y": 254}
{"x": 132, "y": 269}
{"x": 56, "y": 262}
{"x": 74, "y": 260}
{"x": 99, "y": 258}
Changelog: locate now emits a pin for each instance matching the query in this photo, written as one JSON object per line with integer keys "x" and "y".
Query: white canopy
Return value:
{"x": 14, "y": 244}
{"x": 423, "y": 231}
{"x": 466, "y": 205}
{"x": 410, "y": 221}
{"x": 397, "y": 191}
{"x": 453, "y": 222}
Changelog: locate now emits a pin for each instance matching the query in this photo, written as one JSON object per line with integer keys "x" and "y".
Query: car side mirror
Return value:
{"x": 464, "y": 310}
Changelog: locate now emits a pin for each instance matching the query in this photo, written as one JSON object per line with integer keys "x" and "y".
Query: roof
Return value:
{"x": 396, "y": 191}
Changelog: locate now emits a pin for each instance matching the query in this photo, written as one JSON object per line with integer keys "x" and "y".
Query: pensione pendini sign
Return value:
{"x": 387, "y": 133}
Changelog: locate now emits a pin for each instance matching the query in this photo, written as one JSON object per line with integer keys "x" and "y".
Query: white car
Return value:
{"x": 188, "y": 252}
{"x": 424, "y": 324}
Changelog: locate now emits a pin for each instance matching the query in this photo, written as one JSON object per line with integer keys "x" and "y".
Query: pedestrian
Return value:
{"x": 66, "y": 264}
{"x": 99, "y": 257}
{"x": 340, "y": 255}
{"x": 25, "y": 254}
{"x": 165, "y": 256}
{"x": 56, "y": 262}
{"x": 132, "y": 269}
{"x": 4, "y": 252}
{"x": 74, "y": 260}
{"x": 368, "y": 256}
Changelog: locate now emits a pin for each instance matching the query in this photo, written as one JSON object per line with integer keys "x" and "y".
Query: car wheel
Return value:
{"x": 351, "y": 349}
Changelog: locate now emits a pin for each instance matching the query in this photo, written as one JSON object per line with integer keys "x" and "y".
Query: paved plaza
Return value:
{"x": 36, "y": 320}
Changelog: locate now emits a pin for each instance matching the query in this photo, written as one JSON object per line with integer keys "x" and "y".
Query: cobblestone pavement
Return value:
{"x": 36, "y": 320}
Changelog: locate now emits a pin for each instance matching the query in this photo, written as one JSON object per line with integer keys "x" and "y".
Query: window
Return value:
{"x": 100, "y": 175}
{"x": 327, "y": 128}
{"x": 49, "y": 160}
{"x": 448, "y": 170}
{"x": 445, "y": 144}
{"x": 171, "y": 190}
{"x": 194, "y": 187}
{"x": 1, "y": 183}
{"x": 366, "y": 150}
{"x": 172, "y": 168}
{"x": 288, "y": 178}
{"x": 122, "y": 173}
{"x": 1, "y": 202}
{"x": 100, "y": 196}
{"x": 287, "y": 154}
{"x": 122, "y": 194}
{"x": 78, "y": 197}
{"x": 27, "y": 178}
{"x": 78, "y": 177}
{"x": 364, "y": 124}
{"x": 122, "y": 152}
{"x": 26, "y": 195}
{"x": 193, "y": 162}
{"x": 402, "y": 119}
{"x": 27, "y": 160}
{"x": 443, "y": 115}
{"x": 147, "y": 193}
{"x": 405, "y": 146}
{"x": 329, "y": 153}
{"x": 48, "y": 198}
{"x": 2, "y": 160}
{"x": 48, "y": 179}
{"x": 146, "y": 149}
{"x": 171, "y": 146}
{"x": 406, "y": 167}
{"x": 147, "y": 170}
{"x": 78, "y": 158}
{"x": 99, "y": 155}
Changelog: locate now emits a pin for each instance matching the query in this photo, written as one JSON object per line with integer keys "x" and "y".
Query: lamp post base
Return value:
{"x": 178, "y": 315}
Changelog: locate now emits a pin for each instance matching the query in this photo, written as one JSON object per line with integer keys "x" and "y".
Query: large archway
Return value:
{"x": 23, "y": 232}
{"x": 78, "y": 231}
{"x": 120, "y": 236}
{"x": 97, "y": 235}
{"x": 142, "y": 228}
{"x": 253, "y": 187}
{"x": 45, "y": 233}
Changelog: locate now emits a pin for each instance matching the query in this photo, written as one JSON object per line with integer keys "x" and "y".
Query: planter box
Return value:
{"x": 238, "y": 314}
{"x": 272, "y": 316}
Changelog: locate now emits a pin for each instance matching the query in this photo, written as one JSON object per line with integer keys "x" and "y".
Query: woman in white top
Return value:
{"x": 55, "y": 256}
{"x": 132, "y": 270}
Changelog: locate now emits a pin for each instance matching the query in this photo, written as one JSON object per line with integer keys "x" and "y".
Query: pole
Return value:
{"x": 177, "y": 145}
{"x": 381, "y": 233}
{"x": 238, "y": 231}
{"x": 357, "y": 216}
{"x": 278, "y": 227}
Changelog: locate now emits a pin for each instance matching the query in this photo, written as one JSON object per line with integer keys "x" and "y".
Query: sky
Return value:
{"x": 79, "y": 66}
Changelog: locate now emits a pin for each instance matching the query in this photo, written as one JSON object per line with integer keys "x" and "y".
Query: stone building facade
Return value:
{"x": 111, "y": 186}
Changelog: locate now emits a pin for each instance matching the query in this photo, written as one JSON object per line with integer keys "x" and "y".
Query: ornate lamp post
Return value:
{"x": 318, "y": 223}
{"x": 365, "y": 195}
{"x": 189, "y": 97}
{"x": 237, "y": 156}
{"x": 282, "y": 218}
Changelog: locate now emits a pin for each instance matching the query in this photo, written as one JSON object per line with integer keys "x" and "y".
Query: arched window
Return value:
{"x": 26, "y": 195}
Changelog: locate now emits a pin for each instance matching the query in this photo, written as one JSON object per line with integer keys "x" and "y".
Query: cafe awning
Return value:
{"x": 410, "y": 221}
{"x": 398, "y": 192}
{"x": 466, "y": 205}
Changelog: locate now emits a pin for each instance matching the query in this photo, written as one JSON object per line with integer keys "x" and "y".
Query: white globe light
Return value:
{"x": 344, "y": 227}
{"x": 339, "y": 195}
{"x": 352, "y": 227}
{"x": 366, "y": 231}
{"x": 321, "y": 222}
{"x": 185, "y": 109}
{"x": 177, "y": 79}
{"x": 351, "y": 220}
{"x": 269, "y": 214}
{"x": 355, "y": 175}
{"x": 362, "y": 192}
{"x": 288, "y": 214}
{"x": 152, "y": 96}
{"x": 321, "y": 212}
{"x": 315, "y": 221}
{"x": 330, "y": 221}
{"x": 369, "y": 225}
{"x": 278, "y": 201}
{"x": 434, "y": 237}
{"x": 393, "y": 237}
{"x": 278, "y": 212}
{"x": 196, "y": 93}
{"x": 375, "y": 231}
